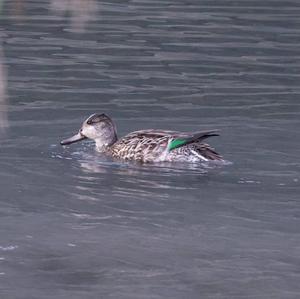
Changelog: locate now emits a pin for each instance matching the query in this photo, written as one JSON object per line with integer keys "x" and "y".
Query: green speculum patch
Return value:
{"x": 176, "y": 143}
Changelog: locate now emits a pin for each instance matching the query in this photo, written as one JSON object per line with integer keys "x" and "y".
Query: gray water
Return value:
{"x": 77, "y": 225}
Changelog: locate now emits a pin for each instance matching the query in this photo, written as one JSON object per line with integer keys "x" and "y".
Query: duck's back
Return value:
{"x": 144, "y": 145}
{"x": 155, "y": 146}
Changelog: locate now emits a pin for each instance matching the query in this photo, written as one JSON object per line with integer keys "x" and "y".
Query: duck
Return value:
{"x": 146, "y": 146}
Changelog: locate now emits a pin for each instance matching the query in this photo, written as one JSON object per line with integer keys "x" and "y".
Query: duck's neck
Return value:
{"x": 105, "y": 145}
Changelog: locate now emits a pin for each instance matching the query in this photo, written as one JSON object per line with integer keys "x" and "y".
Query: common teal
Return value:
{"x": 146, "y": 145}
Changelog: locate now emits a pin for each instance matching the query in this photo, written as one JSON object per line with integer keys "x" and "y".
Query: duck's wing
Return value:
{"x": 195, "y": 144}
{"x": 172, "y": 139}
{"x": 182, "y": 139}
{"x": 141, "y": 145}
{"x": 148, "y": 144}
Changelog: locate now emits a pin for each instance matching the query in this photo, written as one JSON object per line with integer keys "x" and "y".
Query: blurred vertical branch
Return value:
{"x": 3, "y": 97}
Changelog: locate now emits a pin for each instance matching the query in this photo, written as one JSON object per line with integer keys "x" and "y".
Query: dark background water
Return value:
{"x": 74, "y": 225}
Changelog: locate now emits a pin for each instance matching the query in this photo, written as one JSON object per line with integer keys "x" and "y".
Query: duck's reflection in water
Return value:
{"x": 97, "y": 163}
{"x": 80, "y": 12}
{"x": 135, "y": 175}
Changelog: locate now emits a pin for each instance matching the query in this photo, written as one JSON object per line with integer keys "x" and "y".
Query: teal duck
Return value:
{"x": 146, "y": 145}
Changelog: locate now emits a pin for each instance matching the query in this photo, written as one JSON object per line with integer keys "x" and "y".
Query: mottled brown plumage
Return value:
{"x": 152, "y": 145}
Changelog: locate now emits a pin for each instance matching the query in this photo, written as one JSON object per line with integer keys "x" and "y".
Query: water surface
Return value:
{"x": 76, "y": 225}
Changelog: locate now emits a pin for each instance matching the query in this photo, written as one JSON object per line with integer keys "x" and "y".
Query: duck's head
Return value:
{"x": 98, "y": 127}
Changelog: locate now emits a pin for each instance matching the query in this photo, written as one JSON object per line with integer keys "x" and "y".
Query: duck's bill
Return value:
{"x": 73, "y": 139}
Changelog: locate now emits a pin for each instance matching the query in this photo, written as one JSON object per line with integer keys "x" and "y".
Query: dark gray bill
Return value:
{"x": 73, "y": 139}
